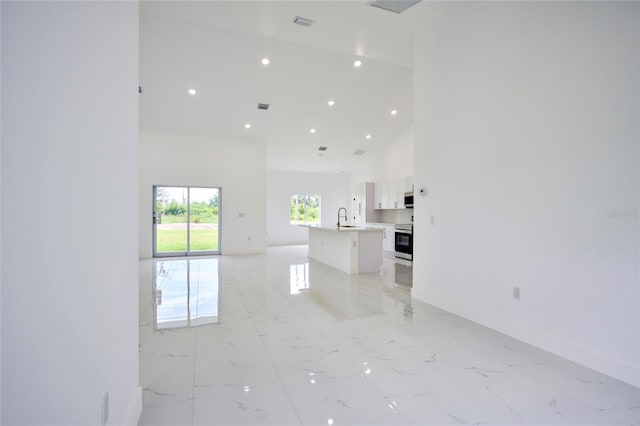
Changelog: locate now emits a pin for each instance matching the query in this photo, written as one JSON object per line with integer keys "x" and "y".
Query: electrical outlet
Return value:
{"x": 105, "y": 408}
{"x": 433, "y": 220}
{"x": 516, "y": 293}
{"x": 354, "y": 243}
{"x": 248, "y": 238}
{"x": 241, "y": 215}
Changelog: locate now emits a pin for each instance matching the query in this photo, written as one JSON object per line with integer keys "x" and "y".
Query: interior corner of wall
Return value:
{"x": 135, "y": 408}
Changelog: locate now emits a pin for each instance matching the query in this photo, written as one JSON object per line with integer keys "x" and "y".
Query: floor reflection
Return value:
{"x": 403, "y": 275}
{"x": 299, "y": 278}
{"x": 186, "y": 293}
{"x": 346, "y": 296}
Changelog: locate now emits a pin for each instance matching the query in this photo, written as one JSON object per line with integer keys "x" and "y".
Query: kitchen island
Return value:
{"x": 350, "y": 249}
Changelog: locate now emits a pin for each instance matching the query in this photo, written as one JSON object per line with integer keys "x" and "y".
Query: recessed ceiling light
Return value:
{"x": 368, "y": 137}
{"x": 357, "y": 64}
{"x": 331, "y": 103}
{"x": 247, "y": 126}
{"x": 394, "y": 112}
{"x": 192, "y": 91}
{"x": 312, "y": 131}
{"x": 265, "y": 61}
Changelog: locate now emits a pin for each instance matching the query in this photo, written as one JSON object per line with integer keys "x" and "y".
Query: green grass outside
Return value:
{"x": 167, "y": 218}
{"x": 176, "y": 240}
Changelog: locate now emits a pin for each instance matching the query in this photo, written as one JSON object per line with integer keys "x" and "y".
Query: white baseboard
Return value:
{"x": 602, "y": 363}
{"x": 243, "y": 252}
{"x": 135, "y": 408}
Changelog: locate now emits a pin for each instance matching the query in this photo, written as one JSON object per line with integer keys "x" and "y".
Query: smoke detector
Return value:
{"x": 396, "y": 6}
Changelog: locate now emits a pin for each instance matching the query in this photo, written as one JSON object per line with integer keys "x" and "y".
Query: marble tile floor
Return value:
{"x": 277, "y": 339}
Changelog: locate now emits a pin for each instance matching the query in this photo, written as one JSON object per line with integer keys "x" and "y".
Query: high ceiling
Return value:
{"x": 216, "y": 48}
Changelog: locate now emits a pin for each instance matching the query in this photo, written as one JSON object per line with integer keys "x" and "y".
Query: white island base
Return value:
{"x": 351, "y": 250}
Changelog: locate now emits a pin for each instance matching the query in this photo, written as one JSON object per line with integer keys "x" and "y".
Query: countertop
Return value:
{"x": 344, "y": 228}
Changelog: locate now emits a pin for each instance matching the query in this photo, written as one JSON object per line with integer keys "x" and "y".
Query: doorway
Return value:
{"x": 186, "y": 220}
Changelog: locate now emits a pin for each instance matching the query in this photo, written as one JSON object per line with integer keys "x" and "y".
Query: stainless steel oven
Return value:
{"x": 404, "y": 241}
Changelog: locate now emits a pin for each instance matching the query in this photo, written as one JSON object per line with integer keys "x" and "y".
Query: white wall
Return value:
{"x": 334, "y": 193}
{"x": 392, "y": 161}
{"x": 69, "y": 208}
{"x": 0, "y": 220}
{"x": 238, "y": 167}
{"x": 526, "y": 138}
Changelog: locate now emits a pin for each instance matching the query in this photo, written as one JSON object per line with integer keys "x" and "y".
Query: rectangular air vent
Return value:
{"x": 396, "y": 6}
{"x": 359, "y": 152}
{"x": 322, "y": 148}
{"x": 263, "y": 106}
{"x": 302, "y": 21}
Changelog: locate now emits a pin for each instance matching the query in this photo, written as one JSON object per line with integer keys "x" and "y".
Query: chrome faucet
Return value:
{"x": 339, "y": 216}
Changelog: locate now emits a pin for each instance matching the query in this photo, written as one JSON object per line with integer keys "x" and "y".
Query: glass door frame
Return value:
{"x": 188, "y": 251}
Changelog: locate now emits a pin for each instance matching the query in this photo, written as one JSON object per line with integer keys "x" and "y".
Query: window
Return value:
{"x": 305, "y": 209}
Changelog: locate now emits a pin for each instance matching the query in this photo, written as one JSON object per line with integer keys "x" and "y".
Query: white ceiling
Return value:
{"x": 216, "y": 48}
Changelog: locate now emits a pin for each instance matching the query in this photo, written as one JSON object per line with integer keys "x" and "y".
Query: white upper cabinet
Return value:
{"x": 390, "y": 195}
{"x": 381, "y": 195}
{"x": 395, "y": 200}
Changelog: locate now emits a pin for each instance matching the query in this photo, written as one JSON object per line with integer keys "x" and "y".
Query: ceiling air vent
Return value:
{"x": 322, "y": 148}
{"x": 396, "y": 6}
{"x": 302, "y": 21}
{"x": 359, "y": 152}
{"x": 263, "y": 106}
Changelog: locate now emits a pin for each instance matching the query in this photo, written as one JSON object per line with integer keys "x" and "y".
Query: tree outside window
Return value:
{"x": 305, "y": 209}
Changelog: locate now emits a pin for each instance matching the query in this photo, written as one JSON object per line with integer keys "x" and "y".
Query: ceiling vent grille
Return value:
{"x": 299, "y": 20}
{"x": 263, "y": 106}
{"x": 359, "y": 152}
{"x": 396, "y": 6}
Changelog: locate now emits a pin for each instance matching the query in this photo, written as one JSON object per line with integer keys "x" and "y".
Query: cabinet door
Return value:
{"x": 384, "y": 239}
{"x": 389, "y": 243}
{"x": 394, "y": 199}
{"x": 379, "y": 195}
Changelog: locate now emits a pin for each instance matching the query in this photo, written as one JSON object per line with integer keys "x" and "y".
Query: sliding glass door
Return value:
{"x": 185, "y": 221}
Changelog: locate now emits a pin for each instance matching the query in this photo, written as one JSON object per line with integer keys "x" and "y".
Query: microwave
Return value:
{"x": 408, "y": 200}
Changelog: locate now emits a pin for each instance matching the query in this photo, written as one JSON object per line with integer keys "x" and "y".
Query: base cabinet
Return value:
{"x": 389, "y": 239}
